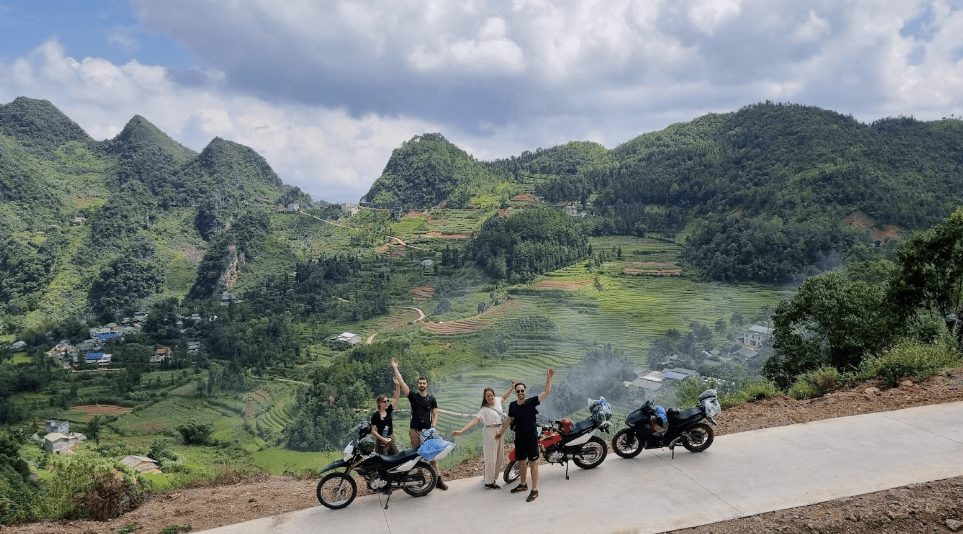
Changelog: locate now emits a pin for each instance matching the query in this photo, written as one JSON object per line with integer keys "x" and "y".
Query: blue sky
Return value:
{"x": 325, "y": 89}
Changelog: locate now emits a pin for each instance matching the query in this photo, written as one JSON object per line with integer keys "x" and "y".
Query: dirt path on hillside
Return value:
{"x": 931, "y": 507}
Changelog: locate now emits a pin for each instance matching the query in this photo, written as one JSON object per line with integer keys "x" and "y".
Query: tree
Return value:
{"x": 831, "y": 320}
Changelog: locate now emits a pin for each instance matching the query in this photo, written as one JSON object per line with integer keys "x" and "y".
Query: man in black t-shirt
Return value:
{"x": 522, "y": 413}
{"x": 424, "y": 414}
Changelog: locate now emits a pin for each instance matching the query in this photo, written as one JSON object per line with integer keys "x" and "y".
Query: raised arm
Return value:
{"x": 548, "y": 385}
{"x": 509, "y": 392}
{"x": 474, "y": 421}
{"x": 401, "y": 381}
{"x": 394, "y": 400}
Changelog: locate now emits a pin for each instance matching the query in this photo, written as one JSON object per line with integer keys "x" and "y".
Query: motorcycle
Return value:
{"x": 562, "y": 440}
{"x": 686, "y": 427}
{"x": 406, "y": 470}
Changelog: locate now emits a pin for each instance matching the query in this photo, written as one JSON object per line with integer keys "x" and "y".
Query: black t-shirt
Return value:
{"x": 523, "y": 415}
{"x": 421, "y": 408}
{"x": 383, "y": 426}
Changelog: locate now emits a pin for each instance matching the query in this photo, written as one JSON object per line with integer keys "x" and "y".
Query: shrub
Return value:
{"x": 196, "y": 433}
{"x": 752, "y": 391}
{"x": 816, "y": 383}
{"x": 909, "y": 359}
{"x": 107, "y": 497}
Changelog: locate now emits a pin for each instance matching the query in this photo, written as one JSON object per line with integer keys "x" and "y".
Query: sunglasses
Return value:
{"x": 519, "y": 391}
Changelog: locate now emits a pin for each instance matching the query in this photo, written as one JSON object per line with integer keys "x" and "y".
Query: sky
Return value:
{"x": 326, "y": 89}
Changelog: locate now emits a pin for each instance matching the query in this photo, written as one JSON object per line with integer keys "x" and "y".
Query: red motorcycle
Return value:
{"x": 562, "y": 440}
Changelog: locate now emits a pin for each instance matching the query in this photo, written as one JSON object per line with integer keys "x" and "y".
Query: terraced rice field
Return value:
{"x": 473, "y": 324}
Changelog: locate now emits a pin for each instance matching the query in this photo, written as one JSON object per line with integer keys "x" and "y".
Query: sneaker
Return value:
{"x": 520, "y": 488}
{"x": 441, "y": 485}
{"x": 532, "y": 496}
{"x": 493, "y": 486}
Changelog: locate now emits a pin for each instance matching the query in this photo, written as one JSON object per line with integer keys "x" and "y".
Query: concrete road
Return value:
{"x": 739, "y": 475}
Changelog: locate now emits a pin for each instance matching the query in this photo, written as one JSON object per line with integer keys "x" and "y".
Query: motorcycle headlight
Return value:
{"x": 349, "y": 451}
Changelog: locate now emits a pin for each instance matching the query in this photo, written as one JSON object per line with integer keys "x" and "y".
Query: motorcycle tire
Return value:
{"x": 698, "y": 438}
{"x": 626, "y": 443}
{"x": 429, "y": 479}
{"x": 511, "y": 472}
{"x": 591, "y": 454}
{"x": 337, "y": 490}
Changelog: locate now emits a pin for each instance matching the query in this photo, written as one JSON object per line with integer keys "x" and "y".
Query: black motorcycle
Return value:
{"x": 686, "y": 427}
{"x": 405, "y": 470}
{"x": 562, "y": 440}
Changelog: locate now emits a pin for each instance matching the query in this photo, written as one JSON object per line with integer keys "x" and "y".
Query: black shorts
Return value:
{"x": 526, "y": 447}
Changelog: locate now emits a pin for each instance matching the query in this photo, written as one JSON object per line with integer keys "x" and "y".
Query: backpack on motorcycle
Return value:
{"x": 710, "y": 401}
{"x": 601, "y": 410}
{"x": 432, "y": 446}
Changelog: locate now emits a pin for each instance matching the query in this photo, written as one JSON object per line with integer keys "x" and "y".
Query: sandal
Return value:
{"x": 520, "y": 488}
{"x": 493, "y": 486}
{"x": 532, "y": 496}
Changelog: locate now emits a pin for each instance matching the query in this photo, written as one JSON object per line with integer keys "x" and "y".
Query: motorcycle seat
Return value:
{"x": 392, "y": 460}
{"x": 676, "y": 417}
{"x": 581, "y": 427}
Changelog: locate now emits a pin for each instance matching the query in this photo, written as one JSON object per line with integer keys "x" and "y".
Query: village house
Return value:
{"x": 349, "y": 338}
{"x": 60, "y": 443}
{"x": 52, "y": 425}
{"x": 98, "y": 358}
{"x": 143, "y": 464}
{"x": 193, "y": 347}
{"x": 161, "y": 354}
{"x": 756, "y": 335}
{"x": 350, "y": 209}
{"x": 18, "y": 346}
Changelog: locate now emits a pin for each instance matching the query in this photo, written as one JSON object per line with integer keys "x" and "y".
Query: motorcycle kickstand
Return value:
{"x": 388, "y": 499}
{"x": 566, "y": 469}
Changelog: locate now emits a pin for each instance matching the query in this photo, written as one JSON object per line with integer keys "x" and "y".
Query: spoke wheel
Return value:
{"x": 424, "y": 478}
{"x": 511, "y": 472}
{"x": 337, "y": 490}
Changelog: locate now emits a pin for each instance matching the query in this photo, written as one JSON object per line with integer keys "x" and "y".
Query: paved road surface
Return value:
{"x": 739, "y": 475}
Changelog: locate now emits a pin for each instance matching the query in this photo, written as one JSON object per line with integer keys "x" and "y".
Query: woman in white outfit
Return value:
{"x": 491, "y": 417}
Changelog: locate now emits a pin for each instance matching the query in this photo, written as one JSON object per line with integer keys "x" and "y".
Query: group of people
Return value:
{"x": 494, "y": 420}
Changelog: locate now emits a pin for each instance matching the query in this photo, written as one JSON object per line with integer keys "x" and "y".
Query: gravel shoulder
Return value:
{"x": 932, "y": 507}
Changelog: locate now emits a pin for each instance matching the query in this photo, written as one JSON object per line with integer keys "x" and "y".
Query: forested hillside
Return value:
{"x": 760, "y": 193}
{"x": 97, "y": 229}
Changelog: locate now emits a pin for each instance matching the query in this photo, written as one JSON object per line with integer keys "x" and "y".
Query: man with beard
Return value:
{"x": 424, "y": 414}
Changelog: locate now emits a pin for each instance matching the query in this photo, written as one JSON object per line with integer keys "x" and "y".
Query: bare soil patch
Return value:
{"x": 929, "y": 507}
{"x": 877, "y": 233}
{"x": 444, "y": 235}
{"x": 100, "y": 409}
{"x": 423, "y": 292}
{"x": 565, "y": 285}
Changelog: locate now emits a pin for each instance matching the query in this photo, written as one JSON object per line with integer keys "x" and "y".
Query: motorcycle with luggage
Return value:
{"x": 563, "y": 440}
{"x": 687, "y": 427}
{"x": 406, "y": 470}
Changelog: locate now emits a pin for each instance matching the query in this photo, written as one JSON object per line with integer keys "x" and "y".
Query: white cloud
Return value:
{"x": 813, "y": 29}
{"x": 709, "y": 15}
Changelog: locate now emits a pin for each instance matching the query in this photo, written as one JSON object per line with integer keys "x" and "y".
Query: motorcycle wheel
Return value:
{"x": 511, "y": 472}
{"x": 626, "y": 444}
{"x": 591, "y": 454}
{"x": 337, "y": 490}
{"x": 428, "y": 480}
{"x": 698, "y": 438}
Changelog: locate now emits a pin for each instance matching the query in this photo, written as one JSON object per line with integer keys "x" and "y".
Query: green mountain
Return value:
{"x": 762, "y": 193}
{"x": 97, "y": 229}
